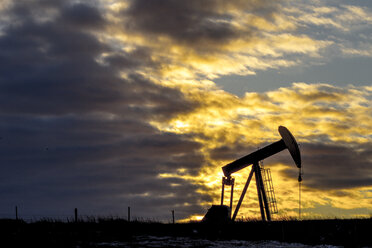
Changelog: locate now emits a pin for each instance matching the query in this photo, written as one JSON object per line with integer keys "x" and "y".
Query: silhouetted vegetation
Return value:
{"x": 87, "y": 233}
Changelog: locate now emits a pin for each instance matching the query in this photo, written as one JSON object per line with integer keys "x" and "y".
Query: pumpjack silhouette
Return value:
{"x": 265, "y": 190}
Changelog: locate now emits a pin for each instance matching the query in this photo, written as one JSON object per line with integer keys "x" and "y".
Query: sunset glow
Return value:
{"x": 114, "y": 103}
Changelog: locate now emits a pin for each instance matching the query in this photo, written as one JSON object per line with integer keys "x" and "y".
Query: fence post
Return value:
{"x": 128, "y": 214}
{"x": 173, "y": 216}
{"x": 76, "y": 215}
{"x": 16, "y": 212}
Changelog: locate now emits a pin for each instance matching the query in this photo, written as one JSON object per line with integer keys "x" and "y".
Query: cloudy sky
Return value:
{"x": 106, "y": 104}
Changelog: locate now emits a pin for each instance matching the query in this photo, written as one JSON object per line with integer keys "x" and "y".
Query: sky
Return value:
{"x": 106, "y": 104}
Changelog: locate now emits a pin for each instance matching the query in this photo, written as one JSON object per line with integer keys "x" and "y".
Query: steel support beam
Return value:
{"x": 264, "y": 198}
{"x": 243, "y": 194}
{"x": 256, "y": 173}
{"x": 223, "y": 190}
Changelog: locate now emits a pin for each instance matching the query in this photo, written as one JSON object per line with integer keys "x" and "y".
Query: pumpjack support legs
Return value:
{"x": 223, "y": 190}
{"x": 243, "y": 194}
{"x": 228, "y": 181}
{"x": 262, "y": 198}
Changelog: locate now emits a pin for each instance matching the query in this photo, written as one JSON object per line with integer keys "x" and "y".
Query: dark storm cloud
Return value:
{"x": 50, "y": 69}
{"x": 191, "y": 22}
{"x": 136, "y": 58}
{"x": 75, "y": 134}
{"x": 82, "y": 16}
{"x": 231, "y": 153}
{"x": 333, "y": 167}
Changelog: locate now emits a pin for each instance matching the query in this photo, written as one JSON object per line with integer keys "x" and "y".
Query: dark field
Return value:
{"x": 50, "y": 233}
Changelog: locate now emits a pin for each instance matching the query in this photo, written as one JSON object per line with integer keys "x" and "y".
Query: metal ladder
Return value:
{"x": 269, "y": 188}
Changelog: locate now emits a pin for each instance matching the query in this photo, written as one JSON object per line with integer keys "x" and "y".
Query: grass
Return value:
{"x": 57, "y": 233}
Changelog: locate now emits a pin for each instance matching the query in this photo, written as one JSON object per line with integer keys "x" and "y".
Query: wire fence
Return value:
{"x": 63, "y": 217}
{"x": 75, "y": 216}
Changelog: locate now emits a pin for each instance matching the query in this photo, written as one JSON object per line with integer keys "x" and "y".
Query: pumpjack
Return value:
{"x": 265, "y": 192}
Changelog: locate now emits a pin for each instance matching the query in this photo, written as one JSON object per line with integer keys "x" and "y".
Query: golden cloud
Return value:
{"x": 237, "y": 38}
{"x": 313, "y": 112}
